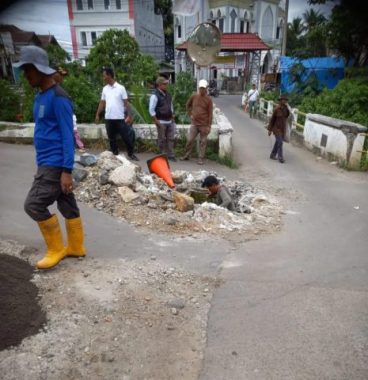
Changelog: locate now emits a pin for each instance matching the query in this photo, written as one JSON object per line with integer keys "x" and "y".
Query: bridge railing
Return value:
{"x": 265, "y": 110}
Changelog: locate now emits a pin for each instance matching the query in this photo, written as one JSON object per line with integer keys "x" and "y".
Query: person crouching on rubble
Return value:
{"x": 219, "y": 192}
{"x": 54, "y": 144}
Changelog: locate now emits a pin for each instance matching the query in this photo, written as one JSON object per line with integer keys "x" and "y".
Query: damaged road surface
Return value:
{"x": 143, "y": 315}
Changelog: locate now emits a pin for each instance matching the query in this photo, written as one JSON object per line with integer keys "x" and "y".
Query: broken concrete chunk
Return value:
{"x": 79, "y": 174}
{"x": 183, "y": 202}
{"x": 179, "y": 176}
{"x": 127, "y": 195}
{"x": 87, "y": 159}
{"x": 124, "y": 175}
{"x": 103, "y": 177}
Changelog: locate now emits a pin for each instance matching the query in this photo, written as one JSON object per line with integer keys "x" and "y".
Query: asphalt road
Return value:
{"x": 292, "y": 305}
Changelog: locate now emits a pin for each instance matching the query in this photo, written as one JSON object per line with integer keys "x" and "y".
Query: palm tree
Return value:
{"x": 313, "y": 19}
{"x": 296, "y": 27}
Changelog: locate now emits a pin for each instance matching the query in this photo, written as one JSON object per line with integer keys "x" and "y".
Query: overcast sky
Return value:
{"x": 51, "y": 16}
{"x": 298, "y": 7}
{"x": 40, "y": 16}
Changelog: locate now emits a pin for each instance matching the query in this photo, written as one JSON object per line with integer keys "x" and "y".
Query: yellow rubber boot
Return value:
{"x": 56, "y": 251}
{"x": 74, "y": 229}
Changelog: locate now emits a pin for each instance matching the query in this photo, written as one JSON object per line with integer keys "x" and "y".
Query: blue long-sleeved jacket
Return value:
{"x": 54, "y": 136}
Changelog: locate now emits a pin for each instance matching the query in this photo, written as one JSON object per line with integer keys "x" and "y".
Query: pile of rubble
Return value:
{"x": 121, "y": 188}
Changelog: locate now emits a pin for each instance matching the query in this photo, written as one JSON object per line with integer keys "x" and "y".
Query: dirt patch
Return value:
{"x": 20, "y": 313}
{"x": 113, "y": 320}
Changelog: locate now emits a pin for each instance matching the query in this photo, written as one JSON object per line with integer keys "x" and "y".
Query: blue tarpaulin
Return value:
{"x": 328, "y": 71}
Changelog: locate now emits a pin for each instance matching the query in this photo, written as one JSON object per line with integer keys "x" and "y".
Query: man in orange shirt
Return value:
{"x": 199, "y": 108}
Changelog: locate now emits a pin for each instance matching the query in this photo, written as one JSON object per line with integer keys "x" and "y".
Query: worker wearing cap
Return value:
{"x": 200, "y": 108}
{"x": 162, "y": 111}
{"x": 54, "y": 144}
{"x": 277, "y": 126}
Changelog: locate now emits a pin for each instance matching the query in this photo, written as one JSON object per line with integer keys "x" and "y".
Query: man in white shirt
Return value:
{"x": 162, "y": 111}
{"x": 114, "y": 100}
{"x": 253, "y": 95}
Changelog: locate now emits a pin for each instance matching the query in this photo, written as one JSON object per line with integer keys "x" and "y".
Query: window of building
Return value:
{"x": 241, "y": 26}
{"x": 118, "y": 4}
{"x": 220, "y": 21}
{"x": 84, "y": 38}
{"x": 233, "y": 16}
{"x": 79, "y": 5}
{"x": 221, "y": 24}
{"x": 93, "y": 37}
{"x": 107, "y": 4}
{"x": 247, "y": 29}
{"x": 279, "y": 31}
{"x": 267, "y": 24}
{"x": 90, "y": 4}
{"x": 179, "y": 31}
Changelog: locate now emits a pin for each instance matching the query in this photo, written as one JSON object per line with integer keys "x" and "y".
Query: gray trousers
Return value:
{"x": 45, "y": 190}
{"x": 166, "y": 138}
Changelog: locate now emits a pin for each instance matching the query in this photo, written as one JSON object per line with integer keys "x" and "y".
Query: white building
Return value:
{"x": 266, "y": 18}
{"x": 90, "y": 18}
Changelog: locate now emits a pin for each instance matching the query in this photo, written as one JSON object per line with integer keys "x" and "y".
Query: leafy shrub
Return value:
{"x": 347, "y": 101}
{"x": 84, "y": 95}
{"x": 10, "y": 102}
{"x": 28, "y": 95}
{"x": 139, "y": 101}
{"x": 183, "y": 89}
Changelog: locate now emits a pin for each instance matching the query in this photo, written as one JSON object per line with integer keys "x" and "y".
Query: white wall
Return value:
{"x": 344, "y": 139}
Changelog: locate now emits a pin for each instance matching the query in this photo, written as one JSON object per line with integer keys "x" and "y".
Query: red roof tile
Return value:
{"x": 237, "y": 42}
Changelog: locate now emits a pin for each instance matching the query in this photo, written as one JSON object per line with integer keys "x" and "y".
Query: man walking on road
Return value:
{"x": 200, "y": 109}
{"x": 54, "y": 144}
{"x": 253, "y": 95}
{"x": 162, "y": 111}
{"x": 114, "y": 100}
{"x": 277, "y": 126}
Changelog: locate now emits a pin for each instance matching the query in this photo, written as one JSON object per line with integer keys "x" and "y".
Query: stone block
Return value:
{"x": 183, "y": 202}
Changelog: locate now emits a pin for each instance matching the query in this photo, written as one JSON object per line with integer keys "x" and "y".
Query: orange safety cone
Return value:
{"x": 160, "y": 166}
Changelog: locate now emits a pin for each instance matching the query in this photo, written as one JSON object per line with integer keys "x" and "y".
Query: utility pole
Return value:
{"x": 284, "y": 37}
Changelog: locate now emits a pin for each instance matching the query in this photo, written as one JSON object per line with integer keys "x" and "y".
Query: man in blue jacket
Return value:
{"x": 54, "y": 144}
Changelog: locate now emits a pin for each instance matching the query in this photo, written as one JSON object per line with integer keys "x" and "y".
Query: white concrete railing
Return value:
{"x": 221, "y": 130}
{"x": 334, "y": 139}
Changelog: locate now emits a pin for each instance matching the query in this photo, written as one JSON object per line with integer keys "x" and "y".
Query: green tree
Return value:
{"x": 85, "y": 96}
{"x": 312, "y": 19}
{"x": 117, "y": 49}
{"x": 184, "y": 87}
{"x": 294, "y": 39}
{"x": 57, "y": 55}
{"x": 347, "y": 30}
{"x": 10, "y": 102}
{"x": 164, "y": 7}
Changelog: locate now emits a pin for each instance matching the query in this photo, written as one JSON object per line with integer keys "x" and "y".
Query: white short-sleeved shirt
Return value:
{"x": 253, "y": 95}
{"x": 114, "y": 97}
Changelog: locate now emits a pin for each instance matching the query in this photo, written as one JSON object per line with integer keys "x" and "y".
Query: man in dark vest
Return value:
{"x": 162, "y": 111}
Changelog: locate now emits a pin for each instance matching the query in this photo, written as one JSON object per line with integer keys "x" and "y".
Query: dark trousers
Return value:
{"x": 45, "y": 190}
{"x": 166, "y": 138}
{"x": 119, "y": 127}
{"x": 277, "y": 148}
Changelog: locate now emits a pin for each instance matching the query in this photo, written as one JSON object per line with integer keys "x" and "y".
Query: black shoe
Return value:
{"x": 281, "y": 160}
{"x": 184, "y": 158}
{"x": 273, "y": 157}
{"x": 172, "y": 159}
{"x": 133, "y": 157}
